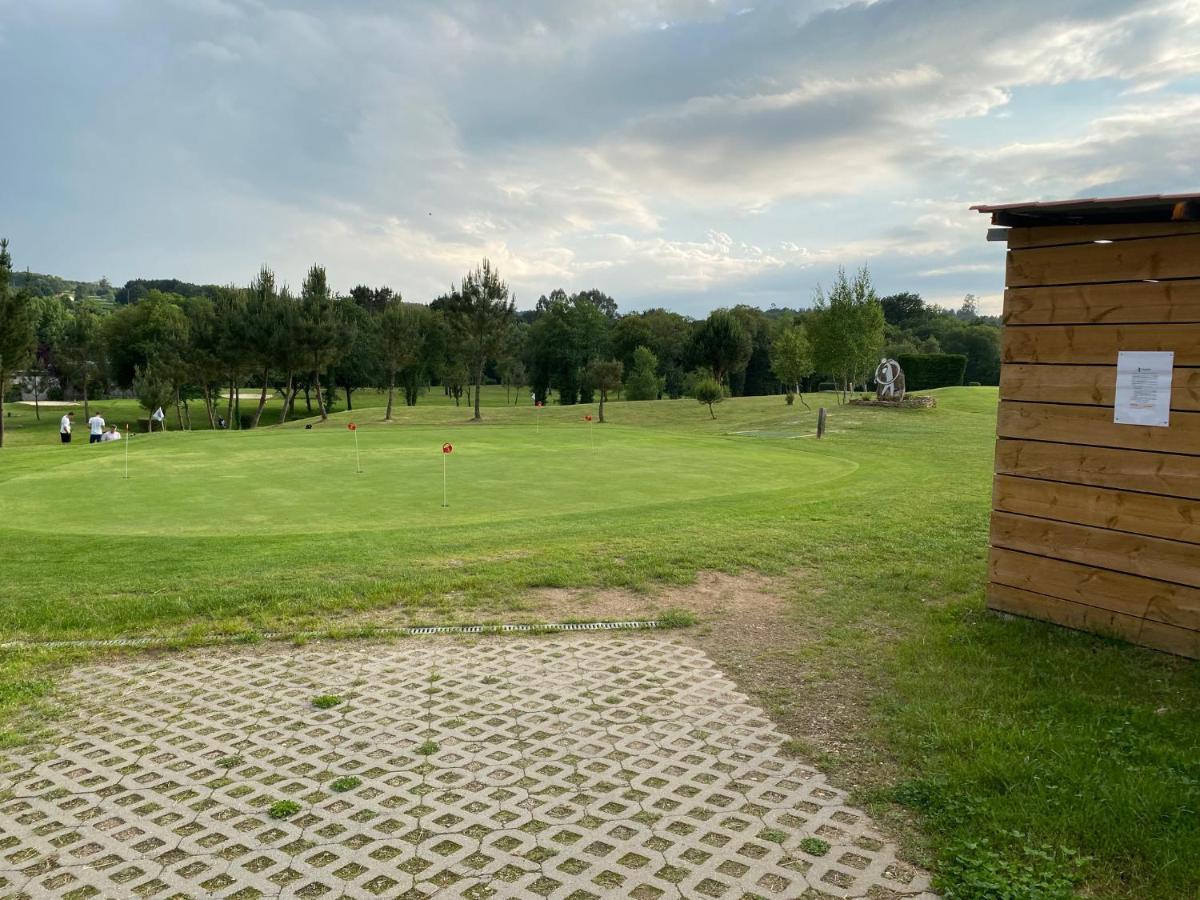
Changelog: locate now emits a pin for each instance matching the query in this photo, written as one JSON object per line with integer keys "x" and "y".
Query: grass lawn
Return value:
{"x": 1027, "y": 755}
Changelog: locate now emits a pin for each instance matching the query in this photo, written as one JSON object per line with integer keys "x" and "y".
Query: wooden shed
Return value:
{"x": 1096, "y": 500}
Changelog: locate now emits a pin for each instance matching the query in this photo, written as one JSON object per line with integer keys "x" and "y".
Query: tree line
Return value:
{"x": 175, "y": 345}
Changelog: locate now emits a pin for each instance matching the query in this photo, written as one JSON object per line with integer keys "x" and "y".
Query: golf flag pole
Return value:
{"x": 591, "y": 434}
{"x": 357, "y": 460}
{"x": 128, "y": 435}
{"x": 447, "y": 449}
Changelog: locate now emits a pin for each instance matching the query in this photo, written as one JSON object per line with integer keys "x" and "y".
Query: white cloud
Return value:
{"x": 742, "y": 152}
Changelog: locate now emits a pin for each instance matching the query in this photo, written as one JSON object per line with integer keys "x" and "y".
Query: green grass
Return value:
{"x": 1020, "y": 748}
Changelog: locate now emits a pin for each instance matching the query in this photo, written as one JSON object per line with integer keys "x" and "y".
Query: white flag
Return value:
{"x": 159, "y": 415}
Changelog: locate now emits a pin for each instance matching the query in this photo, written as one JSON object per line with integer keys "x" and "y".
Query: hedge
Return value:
{"x": 923, "y": 371}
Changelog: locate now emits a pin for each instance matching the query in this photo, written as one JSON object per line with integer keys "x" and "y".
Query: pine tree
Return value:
{"x": 18, "y": 328}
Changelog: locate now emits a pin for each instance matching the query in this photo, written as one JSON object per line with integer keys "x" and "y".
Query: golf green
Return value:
{"x": 298, "y": 481}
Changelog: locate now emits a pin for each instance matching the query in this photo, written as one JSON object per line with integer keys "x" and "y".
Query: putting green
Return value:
{"x": 297, "y": 481}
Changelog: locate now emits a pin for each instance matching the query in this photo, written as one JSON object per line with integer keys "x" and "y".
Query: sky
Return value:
{"x": 689, "y": 154}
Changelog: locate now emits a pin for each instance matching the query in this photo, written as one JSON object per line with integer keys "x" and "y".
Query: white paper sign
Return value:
{"x": 1143, "y": 388}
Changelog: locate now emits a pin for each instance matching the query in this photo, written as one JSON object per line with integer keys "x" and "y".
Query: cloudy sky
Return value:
{"x": 683, "y": 153}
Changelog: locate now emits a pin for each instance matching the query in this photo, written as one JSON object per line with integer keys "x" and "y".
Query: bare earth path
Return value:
{"x": 560, "y": 767}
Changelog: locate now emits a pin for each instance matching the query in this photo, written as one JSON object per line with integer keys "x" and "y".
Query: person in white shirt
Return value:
{"x": 64, "y": 427}
{"x": 96, "y": 424}
{"x": 111, "y": 435}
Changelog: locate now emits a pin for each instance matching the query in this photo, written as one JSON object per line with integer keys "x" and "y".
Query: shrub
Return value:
{"x": 923, "y": 371}
{"x": 790, "y": 398}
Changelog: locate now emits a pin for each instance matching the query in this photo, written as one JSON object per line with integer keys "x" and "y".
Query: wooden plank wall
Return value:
{"x": 1096, "y": 526}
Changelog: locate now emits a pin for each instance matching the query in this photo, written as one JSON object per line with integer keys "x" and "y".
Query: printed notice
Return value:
{"x": 1143, "y": 388}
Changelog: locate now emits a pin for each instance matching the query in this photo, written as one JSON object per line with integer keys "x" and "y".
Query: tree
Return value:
{"x": 36, "y": 379}
{"x": 791, "y": 357}
{"x": 644, "y": 382}
{"x": 708, "y": 390}
{"x": 905, "y": 309}
{"x": 604, "y": 375}
{"x": 357, "y": 365}
{"x": 754, "y": 379}
{"x": 80, "y": 354}
{"x": 721, "y": 344}
{"x": 152, "y": 392}
{"x": 18, "y": 328}
{"x": 846, "y": 329}
{"x": 260, "y": 318}
{"x": 402, "y": 336}
{"x": 324, "y": 334}
{"x": 969, "y": 311}
{"x": 481, "y": 313}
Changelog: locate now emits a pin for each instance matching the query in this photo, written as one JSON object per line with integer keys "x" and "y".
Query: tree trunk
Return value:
{"x": 229, "y": 404}
{"x": 237, "y": 405}
{"x": 178, "y": 409}
{"x": 289, "y": 397}
{"x": 308, "y": 397}
{"x": 710, "y": 411}
{"x": 262, "y": 400}
{"x": 187, "y": 414}
{"x": 3, "y": 382}
{"x": 602, "y": 397}
{"x": 478, "y": 385}
{"x": 37, "y": 409}
{"x": 320, "y": 399}
{"x": 208, "y": 406}
{"x": 349, "y": 405}
{"x": 387, "y": 416}
{"x": 85, "y": 399}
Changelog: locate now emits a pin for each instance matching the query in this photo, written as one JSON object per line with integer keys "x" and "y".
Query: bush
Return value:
{"x": 923, "y": 371}
{"x": 12, "y": 394}
{"x": 55, "y": 394}
{"x": 974, "y": 384}
{"x": 790, "y": 398}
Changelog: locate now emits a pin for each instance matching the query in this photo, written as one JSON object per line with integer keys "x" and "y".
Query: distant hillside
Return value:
{"x": 102, "y": 292}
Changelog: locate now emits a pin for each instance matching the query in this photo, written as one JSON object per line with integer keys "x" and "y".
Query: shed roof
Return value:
{"x": 1096, "y": 210}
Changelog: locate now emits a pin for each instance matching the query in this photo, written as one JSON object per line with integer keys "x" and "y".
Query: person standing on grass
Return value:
{"x": 111, "y": 435}
{"x": 96, "y": 424}
{"x": 64, "y": 427}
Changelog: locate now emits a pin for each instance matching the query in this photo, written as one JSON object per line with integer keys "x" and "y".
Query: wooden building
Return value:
{"x": 1095, "y": 522}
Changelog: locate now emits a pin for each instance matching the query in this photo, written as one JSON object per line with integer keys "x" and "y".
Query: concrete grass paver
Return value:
{"x": 558, "y": 767}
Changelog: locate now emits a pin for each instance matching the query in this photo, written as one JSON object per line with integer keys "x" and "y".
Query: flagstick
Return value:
{"x": 128, "y": 435}
{"x": 357, "y": 459}
{"x": 444, "y": 503}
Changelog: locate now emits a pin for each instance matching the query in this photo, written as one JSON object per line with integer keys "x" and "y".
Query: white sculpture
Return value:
{"x": 889, "y": 380}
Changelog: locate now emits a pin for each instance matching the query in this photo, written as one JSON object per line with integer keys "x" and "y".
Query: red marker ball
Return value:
{"x": 587, "y": 418}
{"x": 352, "y": 427}
{"x": 447, "y": 448}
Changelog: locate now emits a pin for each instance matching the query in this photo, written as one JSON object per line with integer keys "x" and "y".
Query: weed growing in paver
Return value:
{"x": 230, "y": 762}
{"x": 282, "y": 809}
{"x": 326, "y": 701}
{"x": 814, "y": 846}
{"x": 428, "y": 748}
{"x": 774, "y": 835}
{"x": 345, "y": 783}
